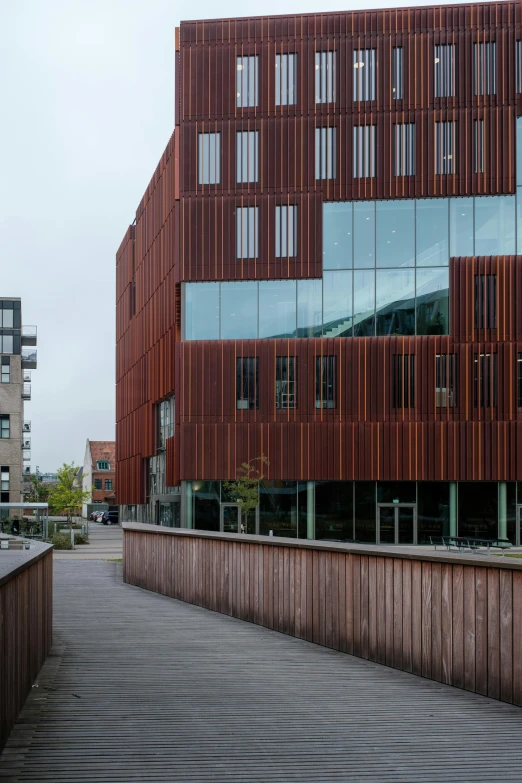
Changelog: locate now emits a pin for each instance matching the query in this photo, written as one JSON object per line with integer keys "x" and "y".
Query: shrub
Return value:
{"x": 63, "y": 540}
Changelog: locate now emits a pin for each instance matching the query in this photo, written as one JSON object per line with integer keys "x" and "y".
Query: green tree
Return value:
{"x": 67, "y": 496}
{"x": 39, "y": 492}
{"x": 244, "y": 490}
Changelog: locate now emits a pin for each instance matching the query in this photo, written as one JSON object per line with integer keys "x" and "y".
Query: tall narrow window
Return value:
{"x": 108, "y": 484}
{"x": 247, "y": 88}
{"x": 247, "y": 156}
{"x": 97, "y": 483}
{"x": 478, "y": 146}
{"x": 4, "y": 478}
{"x": 404, "y": 150}
{"x": 165, "y": 414}
{"x": 246, "y": 232}
{"x": 247, "y": 383}
{"x": 286, "y": 232}
{"x": 445, "y": 147}
{"x": 485, "y": 380}
{"x": 519, "y": 379}
{"x": 6, "y": 369}
{"x": 364, "y": 74}
{"x": 444, "y": 70}
{"x": 209, "y": 158}
{"x": 485, "y": 301}
{"x": 325, "y": 382}
{"x": 445, "y": 380}
{"x": 397, "y": 73}
{"x": 286, "y": 382}
{"x": 286, "y": 79}
{"x": 364, "y": 151}
{"x": 325, "y": 153}
{"x": 484, "y": 68}
{"x": 5, "y": 429}
{"x": 325, "y": 77}
{"x": 518, "y": 66}
{"x": 403, "y": 380}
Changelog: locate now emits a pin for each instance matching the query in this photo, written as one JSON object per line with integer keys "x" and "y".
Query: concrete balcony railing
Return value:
{"x": 26, "y": 427}
{"x": 26, "y": 472}
{"x": 28, "y": 335}
{"x": 26, "y": 391}
{"x": 27, "y": 456}
{"x": 26, "y": 444}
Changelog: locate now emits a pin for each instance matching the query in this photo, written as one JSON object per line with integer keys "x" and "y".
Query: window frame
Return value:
{"x": 325, "y": 152}
{"x": 247, "y": 166}
{"x": 364, "y": 81}
{"x": 445, "y": 138}
{"x": 246, "y": 367}
{"x": 485, "y": 380}
{"x": 326, "y": 382}
{"x": 446, "y": 386}
{"x": 103, "y": 462}
{"x": 404, "y": 149}
{"x": 444, "y": 76}
{"x": 286, "y": 79}
{"x": 364, "y": 151}
{"x": 247, "y": 232}
{"x": 403, "y": 381}
{"x": 286, "y": 231}
{"x": 207, "y": 141}
{"x": 6, "y": 369}
{"x": 485, "y": 301}
{"x": 247, "y": 81}
{"x": 325, "y": 76}
{"x": 397, "y": 73}
{"x": 286, "y": 383}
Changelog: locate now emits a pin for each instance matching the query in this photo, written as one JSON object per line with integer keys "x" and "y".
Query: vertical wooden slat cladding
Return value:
{"x": 454, "y": 620}
{"x": 146, "y": 338}
{"x": 26, "y": 601}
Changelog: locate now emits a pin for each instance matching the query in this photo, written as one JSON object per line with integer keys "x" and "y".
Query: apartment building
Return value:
{"x": 18, "y": 357}
{"x": 323, "y": 271}
{"x": 98, "y": 475}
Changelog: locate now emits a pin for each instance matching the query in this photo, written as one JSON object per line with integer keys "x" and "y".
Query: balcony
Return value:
{"x": 26, "y": 444}
{"x": 27, "y": 456}
{"x": 26, "y": 391}
{"x": 29, "y": 359}
{"x": 26, "y": 471}
{"x": 28, "y": 335}
{"x": 27, "y": 375}
{"x": 27, "y": 426}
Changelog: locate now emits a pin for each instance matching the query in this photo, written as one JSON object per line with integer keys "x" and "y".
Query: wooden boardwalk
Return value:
{"x": 140, "y": 687}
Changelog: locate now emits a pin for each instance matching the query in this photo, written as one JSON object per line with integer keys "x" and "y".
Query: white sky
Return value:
{"x": 87, "y": 105}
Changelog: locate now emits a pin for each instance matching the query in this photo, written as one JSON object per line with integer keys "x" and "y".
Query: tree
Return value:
{"x": 244, "y": 490}
{"x": 67, "y": 497}
{"x": 39, "y": 492}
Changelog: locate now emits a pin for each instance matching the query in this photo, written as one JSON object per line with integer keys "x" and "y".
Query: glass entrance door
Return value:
{"x": 396, "y": 523}
{"x": 230, "y": 521}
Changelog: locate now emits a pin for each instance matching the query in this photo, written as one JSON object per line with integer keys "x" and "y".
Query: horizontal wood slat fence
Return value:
{"x": 456, "y": 619}
{"x": 26, "y": 619}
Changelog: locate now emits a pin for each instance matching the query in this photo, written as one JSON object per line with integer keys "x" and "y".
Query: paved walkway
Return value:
{"x": 142, "y": 688}
{"x": 105, "y": 543}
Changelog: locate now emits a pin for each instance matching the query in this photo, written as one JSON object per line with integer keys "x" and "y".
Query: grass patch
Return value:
{"x": 115, "y": 559}
{"x": 508, "y": 554}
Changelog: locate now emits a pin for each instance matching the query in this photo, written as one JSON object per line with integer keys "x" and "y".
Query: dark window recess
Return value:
{"x": 519, "y": 380}
{"x": 326, "y": 382}
{"x": 445, "y": 380}
{"x": 478, "y": 146}
{"x": 485, "y": 380}
{"x": 286, "y": 382}
{"x": 403, "y": 380}
{"x": 97, "y": 483}
{"x": 4, "y": 497}
{"x": 5, "y": 431}
{"x": 6, "y": 369}
{"x": 485, "y": 301}
{"x": 247, "y": 383}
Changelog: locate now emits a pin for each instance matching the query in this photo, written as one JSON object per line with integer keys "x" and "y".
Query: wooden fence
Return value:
{"x": 26, "y": 581}
{"x": 452, "y": 618}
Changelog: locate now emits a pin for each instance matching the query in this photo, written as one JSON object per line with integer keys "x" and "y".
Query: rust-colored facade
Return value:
{"x": 185, "y": 233}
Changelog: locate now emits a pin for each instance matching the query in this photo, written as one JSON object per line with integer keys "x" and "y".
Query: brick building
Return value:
{"x": 99, "y": 473}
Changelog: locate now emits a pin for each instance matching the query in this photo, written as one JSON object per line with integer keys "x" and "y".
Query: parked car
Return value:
{"x": 110, "y": 518}
{"x": 95, "y": 514}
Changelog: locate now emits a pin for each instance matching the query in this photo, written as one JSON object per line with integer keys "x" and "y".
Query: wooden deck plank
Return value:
{"x": 144, "y": 688}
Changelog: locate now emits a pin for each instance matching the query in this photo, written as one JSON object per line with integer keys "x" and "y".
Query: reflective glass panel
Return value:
{"x": 364, "y": 234}
{"x": 365, "y": 511}
{"x": 519, "y": 220}
{"x": 337, "y": 304}
{"x": 433, "y": 301}
{"x": 363, "y": 303}
{"x": 8, "y": 318}
{"x": 334, "y": 510}
{"x": 432, "y": 510}
{"x": 202, "y": 311}
{"x": 309, "y": 308}
{"x": 278, "y": 508}
{"x": 432, "y": 230}
{"x": 461, "y": 227}
{"x": 337, "y": 235}
{"x": 277, "y": 308}
{"x": 478, "y": 509}
{"x": 205, "y": 497}
{"x": 395, "y": 300}
{"x": 396, "y": 233}
{"x": 400, "y": 491}
{"x": 495, "y": 225}
{"x": 238, "y": 311}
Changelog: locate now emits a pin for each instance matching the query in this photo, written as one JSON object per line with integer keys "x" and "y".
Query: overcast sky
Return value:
{"x": 87, "y": 106}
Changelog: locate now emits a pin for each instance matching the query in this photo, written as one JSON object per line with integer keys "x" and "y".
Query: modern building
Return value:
{"x": 323, "y": 271}
{"x": 17, "y": 357}
{"x": 98, "y": 475}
